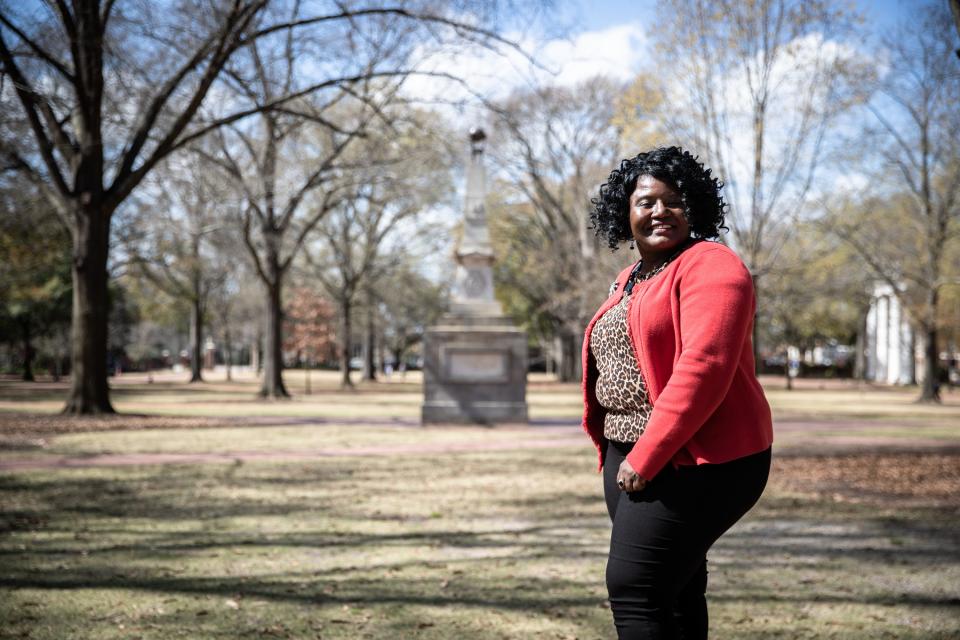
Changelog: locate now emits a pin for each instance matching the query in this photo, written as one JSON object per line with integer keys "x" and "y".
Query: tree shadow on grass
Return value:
{"x": 440, "y": 564}
{"x": 473, "y": 591}
{"x": 432, "y": 539}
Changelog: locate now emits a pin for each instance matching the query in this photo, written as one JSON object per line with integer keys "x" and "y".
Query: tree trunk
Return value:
{"x": 564, "y": 369}
{"x": 345, "y": 339}
{"x": 930, "y": 392}
{"x": 196, "y": 341}
{"x": 578, "y": 353}
{"x": 931, "y": 360}
{"x": 369, "y": 346}
{"x": 273, "y": 347}
{"x": 786, "y": 371}
{"x": 228, "y": 354}
{"x": 55, "y": 369}
{"x": 860, "y": 354}
{"x": 569, "y": 369}
{"x": 89, "y": 391}
{"x": 27, "y": 350}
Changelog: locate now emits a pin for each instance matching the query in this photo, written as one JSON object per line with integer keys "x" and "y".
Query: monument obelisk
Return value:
{"x": 475, "y": 358}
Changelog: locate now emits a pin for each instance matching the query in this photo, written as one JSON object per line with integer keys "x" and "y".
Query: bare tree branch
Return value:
{"x": 462, "y": 29}
{"x": 127, "y": 177}
{"x": 31, "y": 102}
{"x": 41, "y": 53}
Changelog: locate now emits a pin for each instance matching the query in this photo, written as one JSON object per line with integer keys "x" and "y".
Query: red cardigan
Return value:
{"x": 690, "y": 327}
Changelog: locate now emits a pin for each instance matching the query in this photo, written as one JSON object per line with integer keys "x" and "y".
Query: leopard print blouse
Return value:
{"x": 620, "y": 387}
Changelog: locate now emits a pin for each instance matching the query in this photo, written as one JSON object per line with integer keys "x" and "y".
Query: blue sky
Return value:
{"x": 598, "y": 14}
{"x": 580, "y": 38}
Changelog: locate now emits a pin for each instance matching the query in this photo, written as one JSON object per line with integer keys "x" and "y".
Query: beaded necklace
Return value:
{"x": 635, "y": 275}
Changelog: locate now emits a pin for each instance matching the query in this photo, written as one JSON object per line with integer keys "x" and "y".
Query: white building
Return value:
{"x": 890, "y": 346}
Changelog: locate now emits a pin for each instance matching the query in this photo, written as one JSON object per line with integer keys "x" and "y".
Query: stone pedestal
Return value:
{"x": 475, "y": 371}
{"x": 475, "y": 359}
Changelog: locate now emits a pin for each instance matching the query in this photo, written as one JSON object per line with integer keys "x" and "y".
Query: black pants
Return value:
{"x": 657, "y": 569}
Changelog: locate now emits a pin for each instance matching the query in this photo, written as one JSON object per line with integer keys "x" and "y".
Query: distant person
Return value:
{"x": 671, "y": 399}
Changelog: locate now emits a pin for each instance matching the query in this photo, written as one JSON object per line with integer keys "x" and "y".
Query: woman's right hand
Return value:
{"x": 629, "y": 480}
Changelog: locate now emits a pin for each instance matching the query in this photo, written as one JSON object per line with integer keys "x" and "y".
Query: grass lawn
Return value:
{"x": 456, "y": 543}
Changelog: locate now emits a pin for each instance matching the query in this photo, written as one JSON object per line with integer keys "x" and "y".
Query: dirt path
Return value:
{"x": 133, "y": 459}
{"x": 792, "y": 441}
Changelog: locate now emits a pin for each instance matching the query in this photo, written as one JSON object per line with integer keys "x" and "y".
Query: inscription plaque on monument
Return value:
{"x": 475, "y": 364}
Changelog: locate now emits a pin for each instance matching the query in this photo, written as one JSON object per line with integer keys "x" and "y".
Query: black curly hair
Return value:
{"x": 704, "y": 207}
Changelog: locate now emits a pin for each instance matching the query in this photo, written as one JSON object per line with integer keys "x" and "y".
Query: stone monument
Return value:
{"x": 475, "y": 359}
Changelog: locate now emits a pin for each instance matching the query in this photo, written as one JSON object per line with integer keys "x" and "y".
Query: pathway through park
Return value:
{"x": 793, "y": 437}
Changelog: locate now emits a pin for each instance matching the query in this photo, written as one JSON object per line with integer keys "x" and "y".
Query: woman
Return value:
{"x": 671, "y": 399}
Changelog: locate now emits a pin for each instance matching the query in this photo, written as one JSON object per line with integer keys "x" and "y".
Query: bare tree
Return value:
{"x": 224, "y": 321}
{"x": 404, "y": 177}
{"x": 554, "y": 147}
{"x": 236, "y": 305}
{"x": 296, "y": 151}
{"x": 369, "y": 370}
{"x": 905, "y": 235}
{"x": 296, "y": 164}
{"x": 109, "y": 89}
{"x": 754, "y": 88}
{"x": 275, "y": 221}
{"x": 64, "y": 70}
{"x": 820, "y": 293}
{"x": 344, "y": 261}
{"x": 764, "y": 82}
{"x": 168, "y": 239}
{"x": 409, "y": 303}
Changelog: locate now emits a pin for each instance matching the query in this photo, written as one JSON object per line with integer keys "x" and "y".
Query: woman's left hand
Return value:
{"x": 629, "y": 480}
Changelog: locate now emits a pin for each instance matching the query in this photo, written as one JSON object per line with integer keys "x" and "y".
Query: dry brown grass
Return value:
{"x": 880, "y": 479}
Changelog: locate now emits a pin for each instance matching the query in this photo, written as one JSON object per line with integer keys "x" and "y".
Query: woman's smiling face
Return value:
{"x": 657, "y": 219}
